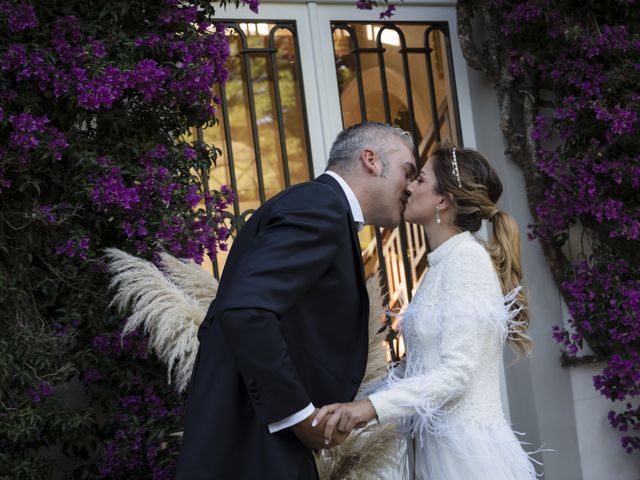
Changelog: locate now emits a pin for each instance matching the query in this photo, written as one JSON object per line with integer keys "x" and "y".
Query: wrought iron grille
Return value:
{"x": 398, "y": 73}
{"x": 263, "y": 129}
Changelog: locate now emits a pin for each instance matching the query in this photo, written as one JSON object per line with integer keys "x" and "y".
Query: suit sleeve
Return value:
{"x": 291, "y": 251}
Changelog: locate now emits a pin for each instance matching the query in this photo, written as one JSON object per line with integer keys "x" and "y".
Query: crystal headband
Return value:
{"x": 454, "y": 164}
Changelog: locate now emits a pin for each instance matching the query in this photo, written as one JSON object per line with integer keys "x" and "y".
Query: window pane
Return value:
{"x": 263, "y": 126}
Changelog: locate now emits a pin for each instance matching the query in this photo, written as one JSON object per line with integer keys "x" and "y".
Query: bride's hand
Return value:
{"x": 345, "y": 416}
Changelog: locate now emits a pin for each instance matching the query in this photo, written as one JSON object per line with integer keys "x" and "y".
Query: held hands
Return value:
{"x": 313, "y": 437}
{"x": 342, "y": 418}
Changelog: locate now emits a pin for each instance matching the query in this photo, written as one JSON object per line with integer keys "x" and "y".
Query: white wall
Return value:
{"x": 601, "y": 453}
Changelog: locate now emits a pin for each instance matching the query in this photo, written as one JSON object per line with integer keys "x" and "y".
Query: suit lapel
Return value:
{"x": 355, "y": 241}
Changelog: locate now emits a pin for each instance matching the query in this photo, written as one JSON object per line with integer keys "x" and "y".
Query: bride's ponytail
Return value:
{"x": 504, "y": 248}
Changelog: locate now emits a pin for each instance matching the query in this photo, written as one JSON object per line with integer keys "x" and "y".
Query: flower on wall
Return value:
{"x": 96, "y": 107}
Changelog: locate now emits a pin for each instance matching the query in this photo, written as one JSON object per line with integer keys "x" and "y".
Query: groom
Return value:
{"x": 287, "y": 332}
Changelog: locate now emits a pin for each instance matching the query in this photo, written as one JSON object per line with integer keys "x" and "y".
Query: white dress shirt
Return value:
{"x": 358, "y": 218}
{"x": 356, "y": 211}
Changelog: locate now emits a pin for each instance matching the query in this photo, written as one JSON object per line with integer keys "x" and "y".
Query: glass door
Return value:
{"x": 301, "y": 72}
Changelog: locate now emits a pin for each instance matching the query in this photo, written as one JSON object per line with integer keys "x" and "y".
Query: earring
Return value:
{"x": 438, "y": 214}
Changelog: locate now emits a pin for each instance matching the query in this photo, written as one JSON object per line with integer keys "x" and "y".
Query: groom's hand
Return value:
{"x": 314, "y": 437}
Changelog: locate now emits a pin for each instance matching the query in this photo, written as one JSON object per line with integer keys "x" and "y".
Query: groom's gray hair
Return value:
{"x": 350, "y": 142}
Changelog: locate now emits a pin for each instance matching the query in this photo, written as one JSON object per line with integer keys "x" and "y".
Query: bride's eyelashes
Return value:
{"x": 410, "y": 172}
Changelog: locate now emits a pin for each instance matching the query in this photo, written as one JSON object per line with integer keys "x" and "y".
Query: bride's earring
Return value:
{"x": 438, "y": 214}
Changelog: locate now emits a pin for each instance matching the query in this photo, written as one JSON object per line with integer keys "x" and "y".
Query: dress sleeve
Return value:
{"x": 395, "y": 371}
{"x": 469, "y": 310}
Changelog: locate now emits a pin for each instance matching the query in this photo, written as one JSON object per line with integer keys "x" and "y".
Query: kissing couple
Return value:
{"x": 283, "y": 347}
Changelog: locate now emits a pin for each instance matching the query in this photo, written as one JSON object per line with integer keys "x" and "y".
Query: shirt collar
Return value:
{"x": 356, "y": 211}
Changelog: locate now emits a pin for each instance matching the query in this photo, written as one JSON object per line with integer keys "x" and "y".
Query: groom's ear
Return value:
{"x": 368, "y": 159}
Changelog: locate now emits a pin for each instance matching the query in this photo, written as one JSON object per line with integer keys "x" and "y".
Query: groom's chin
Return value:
{"x": 389, "y": 224}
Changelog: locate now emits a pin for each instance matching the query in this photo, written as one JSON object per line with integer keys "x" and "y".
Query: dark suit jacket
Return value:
{"x": 288, "y": 327}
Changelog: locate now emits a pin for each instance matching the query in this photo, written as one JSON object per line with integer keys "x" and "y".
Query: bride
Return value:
{"x": 446, "y": 393}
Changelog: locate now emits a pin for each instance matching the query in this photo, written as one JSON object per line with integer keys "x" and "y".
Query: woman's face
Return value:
{"x": 421, "y": 205}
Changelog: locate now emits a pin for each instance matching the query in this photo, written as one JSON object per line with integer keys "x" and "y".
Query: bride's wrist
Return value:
{"x": 373, "y": 414}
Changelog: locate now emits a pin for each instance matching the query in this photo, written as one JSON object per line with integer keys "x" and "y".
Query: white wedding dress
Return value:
{"x": 446, "y": 394}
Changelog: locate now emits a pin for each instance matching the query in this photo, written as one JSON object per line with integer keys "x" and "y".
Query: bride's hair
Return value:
{"x": 474, "y": 197}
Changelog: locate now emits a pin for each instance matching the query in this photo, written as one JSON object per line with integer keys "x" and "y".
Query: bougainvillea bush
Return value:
{"x": 97, "y": 101}
{"x": 571, "y": 69}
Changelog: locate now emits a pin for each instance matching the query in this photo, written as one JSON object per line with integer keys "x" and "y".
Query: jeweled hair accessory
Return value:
{"x": 454, "y": 164}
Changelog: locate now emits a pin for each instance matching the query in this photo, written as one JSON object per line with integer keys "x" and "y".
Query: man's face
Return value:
{"x": 391, "y": 184}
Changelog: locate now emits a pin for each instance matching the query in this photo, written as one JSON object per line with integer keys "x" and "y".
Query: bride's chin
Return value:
{"x": 406, "y": 217}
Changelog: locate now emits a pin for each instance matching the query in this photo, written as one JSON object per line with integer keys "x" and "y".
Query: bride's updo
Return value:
{"x": 474, "y": 199}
